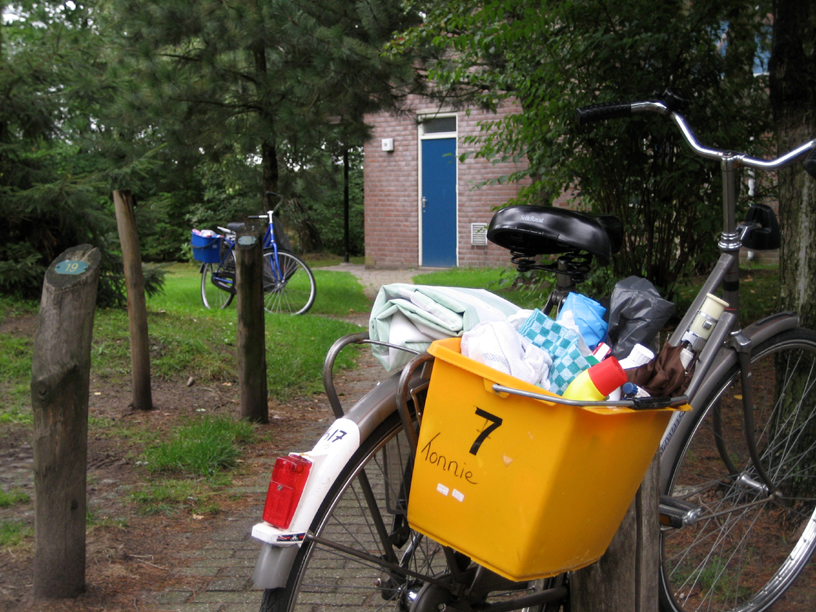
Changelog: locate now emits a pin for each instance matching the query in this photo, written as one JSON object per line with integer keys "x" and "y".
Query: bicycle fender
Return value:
{"x": 329, "y": 456}
{"x": 673, "y": 437}
{"x": 331, "y": 453}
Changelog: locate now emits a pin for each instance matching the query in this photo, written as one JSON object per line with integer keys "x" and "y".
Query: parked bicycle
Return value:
{"x": 288, "y": 283}
{"x": 738, "y": 470}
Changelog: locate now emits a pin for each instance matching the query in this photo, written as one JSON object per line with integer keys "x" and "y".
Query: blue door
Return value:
{"x": 439, "y": 202}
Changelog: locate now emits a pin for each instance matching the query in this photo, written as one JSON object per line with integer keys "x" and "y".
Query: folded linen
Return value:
{"x": 413, "y": 316}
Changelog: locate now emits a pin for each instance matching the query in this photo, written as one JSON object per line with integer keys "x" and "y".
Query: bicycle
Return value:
{"x": 738, "y": 512}
{"x": 288, "y": 283}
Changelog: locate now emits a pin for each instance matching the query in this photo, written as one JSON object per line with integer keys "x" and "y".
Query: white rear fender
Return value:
{"x": 329, "y": 456}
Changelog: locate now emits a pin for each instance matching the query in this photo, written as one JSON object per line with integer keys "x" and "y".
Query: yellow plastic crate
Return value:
{"x": 527, "y": 488}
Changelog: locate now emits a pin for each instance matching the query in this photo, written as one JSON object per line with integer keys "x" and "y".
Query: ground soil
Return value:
{"x": 129, "y": 552}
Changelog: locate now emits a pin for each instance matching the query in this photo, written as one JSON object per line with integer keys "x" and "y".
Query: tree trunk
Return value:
{"x": 251, "y": 339}
{"x": 137, "y": 307}
{"x": 793, "y": 99}
{"x": 269, "y": 154}
{"x": 60, "y": 379}
{"x": 625, "y": 579}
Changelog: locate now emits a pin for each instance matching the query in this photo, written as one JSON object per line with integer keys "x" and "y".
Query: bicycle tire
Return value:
{"x": 327, "y": 576}
{"x": 217, "y": 294}
{"x": 747, "y": 558}
{"x": 289, "y": 285}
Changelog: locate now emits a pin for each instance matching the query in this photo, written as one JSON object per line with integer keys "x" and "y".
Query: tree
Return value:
{"x": 259, "y": 75}
{"x": 553, "y": 57}
{"x": 793, "y": 97}
{"x": 320, "y": 186}
{"x": 51, "y": 191}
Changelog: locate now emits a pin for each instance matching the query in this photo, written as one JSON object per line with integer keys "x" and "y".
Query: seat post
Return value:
{"x": 564, "y": 285}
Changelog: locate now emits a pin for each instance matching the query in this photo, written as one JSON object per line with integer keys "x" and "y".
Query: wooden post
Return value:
{"x": 251, "y": 341}
{"x": 626, "y": 577}
{"x": 137, "y": 308}
{"x": 60, "y": 379}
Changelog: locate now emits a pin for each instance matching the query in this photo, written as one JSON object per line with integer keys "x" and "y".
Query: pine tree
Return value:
{"x": 49, "y": 184}
{"x": 259, "y": 74}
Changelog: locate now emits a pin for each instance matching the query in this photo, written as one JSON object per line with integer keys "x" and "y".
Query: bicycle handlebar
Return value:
{"x": 618, "y": 110}
{"x": 269, "y": 213}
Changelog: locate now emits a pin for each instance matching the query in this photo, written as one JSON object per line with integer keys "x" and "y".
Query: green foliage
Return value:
{"x": 189, "y": 340}
{"x": 93, "y": 519}
{"x": 338, "y": 293}
{"x": 201, "y": 448}
{"x": 255, "y": 96}
{"x": 50, "y": 183}
{"x": 553, "y": 57}
{"x": 195, "y": 107}
{"x": 12, "y": 498}
{"x": 522, "y": 290}
{"x": 320, "y": 186}
{"x": 13, "y": 533}
{"x": 295, "y": 350}
{"x": 14, "y": 357}
{"x": 169, "y": 496}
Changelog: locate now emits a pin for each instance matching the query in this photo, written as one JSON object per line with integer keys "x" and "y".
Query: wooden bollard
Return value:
{"x": 137, "y": 307}
{"x": 625, "y": 579}
{"x": 60, "y": 383}
{"x": 251, "y": 328}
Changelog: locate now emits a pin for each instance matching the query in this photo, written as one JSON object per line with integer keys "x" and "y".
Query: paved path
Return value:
{"x": 217, "y": 578}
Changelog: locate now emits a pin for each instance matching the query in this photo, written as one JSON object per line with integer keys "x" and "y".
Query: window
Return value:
{"x": 439, "y": 125}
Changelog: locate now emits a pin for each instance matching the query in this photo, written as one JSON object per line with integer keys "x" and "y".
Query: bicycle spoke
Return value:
{"x": 749, "y": 543}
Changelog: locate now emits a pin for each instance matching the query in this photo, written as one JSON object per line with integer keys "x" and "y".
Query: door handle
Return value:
{"x": 424, "y": 201}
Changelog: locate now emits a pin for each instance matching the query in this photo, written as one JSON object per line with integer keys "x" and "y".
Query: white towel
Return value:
{"x": 498, "y": 345}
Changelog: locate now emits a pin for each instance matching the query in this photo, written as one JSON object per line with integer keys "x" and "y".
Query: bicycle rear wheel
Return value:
{"x": 289, "y": 285}
{"x": 218, "y": 283}
{"x": 748, "y": 546}
{"x": 365, "y": 509}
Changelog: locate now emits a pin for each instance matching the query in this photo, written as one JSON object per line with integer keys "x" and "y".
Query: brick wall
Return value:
{"x": 392, "y": 191}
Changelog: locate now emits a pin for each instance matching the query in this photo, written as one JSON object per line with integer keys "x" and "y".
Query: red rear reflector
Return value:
{"x": 288, "y": 479}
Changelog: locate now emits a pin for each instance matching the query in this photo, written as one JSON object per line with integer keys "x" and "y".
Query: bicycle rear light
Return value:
{"x": 285, "y": 488}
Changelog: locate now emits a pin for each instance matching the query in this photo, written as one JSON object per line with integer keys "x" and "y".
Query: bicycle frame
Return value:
{"x": 268, "y": 242}
{"x": 728, "y": 344}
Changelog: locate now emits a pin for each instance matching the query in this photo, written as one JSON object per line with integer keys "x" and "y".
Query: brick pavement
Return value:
{"x": 224, "y": 566}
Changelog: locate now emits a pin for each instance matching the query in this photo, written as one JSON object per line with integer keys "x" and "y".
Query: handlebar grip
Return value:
{"x": 603, "y": 111}
{"x": 810, "y": 163}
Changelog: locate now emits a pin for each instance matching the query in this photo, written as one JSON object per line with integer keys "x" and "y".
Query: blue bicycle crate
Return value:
{"x": 206, "y": 249}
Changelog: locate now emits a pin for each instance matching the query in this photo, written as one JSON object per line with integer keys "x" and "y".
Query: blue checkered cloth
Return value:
{"x": 562, "y": 345}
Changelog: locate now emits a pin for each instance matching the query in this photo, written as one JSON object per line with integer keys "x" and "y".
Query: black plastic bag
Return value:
{"x": 636, "y": 314}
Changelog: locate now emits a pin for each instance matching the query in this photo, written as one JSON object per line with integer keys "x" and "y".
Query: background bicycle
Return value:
{"x": 740, "y": 522}
{"x": 288, "y": 283}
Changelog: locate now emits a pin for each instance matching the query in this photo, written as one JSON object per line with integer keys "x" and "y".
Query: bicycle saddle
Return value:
{"x": 235, "y": 226}
{"x": 546, "y": 230}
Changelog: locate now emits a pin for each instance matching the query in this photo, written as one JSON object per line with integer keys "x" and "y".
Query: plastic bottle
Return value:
{"x": 597, "y": 382}
{"x": 630, "y": 390}
{"x": 700, "y": 329}
{"x": 639, "y": 355}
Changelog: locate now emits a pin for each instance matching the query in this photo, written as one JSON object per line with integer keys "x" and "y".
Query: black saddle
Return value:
{"x": 546, "y": 230}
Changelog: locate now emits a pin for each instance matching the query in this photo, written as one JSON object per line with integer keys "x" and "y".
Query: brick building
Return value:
{"x": 423, "y": 207}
